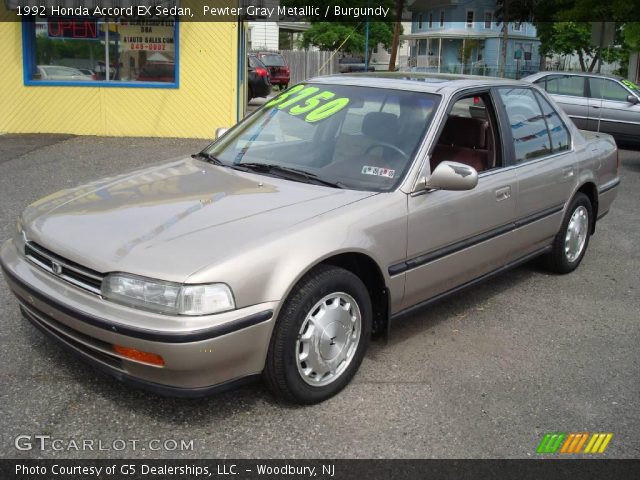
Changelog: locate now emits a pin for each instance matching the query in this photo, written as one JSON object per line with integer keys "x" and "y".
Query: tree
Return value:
{"x": 347, "y": 36}
{"x": 396, "y": 35}
{"x": 567, "y": 38}
{"x": 465, "y": 51}
{"x": 631, "y": 35}
{"x": 508, "y": 11}
{"x": 330, "y": 35}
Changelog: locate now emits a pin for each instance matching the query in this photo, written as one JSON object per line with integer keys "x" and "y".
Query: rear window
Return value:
{"x": 273, "y": 60}
{"x": 566, "y": 85}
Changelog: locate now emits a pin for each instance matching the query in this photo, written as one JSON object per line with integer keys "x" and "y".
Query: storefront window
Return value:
{"x": 83, "y": 51}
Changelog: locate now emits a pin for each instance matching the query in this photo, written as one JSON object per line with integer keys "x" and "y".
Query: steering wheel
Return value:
{"x": 388, "y": 146}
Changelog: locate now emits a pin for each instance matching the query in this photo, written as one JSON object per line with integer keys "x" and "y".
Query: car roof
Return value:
{"x": 58, "y": 66}
{"x": 415, "y": 81}
{"x": 577, "y": 74}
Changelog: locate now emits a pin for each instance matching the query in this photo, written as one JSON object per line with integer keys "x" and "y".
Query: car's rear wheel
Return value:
{"x": 570, "y": 244}
{"x": 320, "y": 337}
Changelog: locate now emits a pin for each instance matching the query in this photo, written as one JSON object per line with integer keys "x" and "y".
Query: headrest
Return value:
{"x": 380, "y": 125}
{"x": 465, "y": 132}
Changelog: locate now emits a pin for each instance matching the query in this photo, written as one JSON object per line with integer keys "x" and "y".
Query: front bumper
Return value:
{"x": 201, "y": 354}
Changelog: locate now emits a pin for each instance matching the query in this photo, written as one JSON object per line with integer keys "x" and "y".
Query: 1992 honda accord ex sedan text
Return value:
{"x": 338, "y": 207}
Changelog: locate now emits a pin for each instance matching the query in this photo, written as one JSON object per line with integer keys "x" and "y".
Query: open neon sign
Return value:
{"x": 79, "y": 29}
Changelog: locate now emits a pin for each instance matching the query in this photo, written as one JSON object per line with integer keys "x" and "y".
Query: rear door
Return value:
{"x": 569, "y": 92}
{"x": 610, "y": 111}
{"x": 545, "y": 167}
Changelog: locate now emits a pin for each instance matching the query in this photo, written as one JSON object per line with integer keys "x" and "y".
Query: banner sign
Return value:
{"x": 149, "y": 36}
{"x": 30, "y": 469}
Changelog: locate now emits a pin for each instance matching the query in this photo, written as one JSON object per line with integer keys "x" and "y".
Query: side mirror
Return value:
{"x": 452, "y": 176}
{"x": 220, "y": 131}
{"x": 632, "y": 99}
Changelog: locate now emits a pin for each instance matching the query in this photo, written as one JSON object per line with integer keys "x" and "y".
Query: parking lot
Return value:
{"x": 483, "y": 374}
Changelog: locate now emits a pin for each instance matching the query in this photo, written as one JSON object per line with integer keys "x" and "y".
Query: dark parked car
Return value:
{"x": 353, "y": 64}
{"x": 259, "y": 81}
{"x": 158, "y": 72}
{"x": 277, "y": 66}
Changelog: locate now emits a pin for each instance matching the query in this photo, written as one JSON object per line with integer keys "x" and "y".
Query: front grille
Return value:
{"x": 66, "y": 270}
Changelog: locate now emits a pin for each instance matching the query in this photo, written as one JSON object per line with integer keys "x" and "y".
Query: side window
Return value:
{"x": 566, "y": 85}
{"x": 560, "y": 139}
{"x": 468, "y": 135}
{"x": 607, "y": 89}
{"x": 528, "y": 127}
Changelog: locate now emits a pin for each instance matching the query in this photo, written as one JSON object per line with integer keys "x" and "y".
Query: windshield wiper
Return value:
{"x": 209, "y": 158}
{"x": 279, "y": 170}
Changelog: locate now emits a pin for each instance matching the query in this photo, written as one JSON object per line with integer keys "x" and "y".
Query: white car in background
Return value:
{"x": 58, "y": 72}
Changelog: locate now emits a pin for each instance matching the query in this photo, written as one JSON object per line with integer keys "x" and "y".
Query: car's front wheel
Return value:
{"x": 571, "y": 242}
{"x": 320, "y": 337}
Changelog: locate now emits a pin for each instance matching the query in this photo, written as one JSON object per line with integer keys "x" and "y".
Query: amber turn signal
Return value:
{"x": 139, "y": 355}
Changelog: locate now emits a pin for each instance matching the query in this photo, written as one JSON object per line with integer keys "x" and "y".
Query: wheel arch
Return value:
{"x": 591, "y": 191}
{"x": 369, "y": 272}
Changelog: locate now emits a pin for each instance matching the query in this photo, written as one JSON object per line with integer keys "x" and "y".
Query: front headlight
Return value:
{"x": 20, "y": 238}
{"x": 167, "y": 297}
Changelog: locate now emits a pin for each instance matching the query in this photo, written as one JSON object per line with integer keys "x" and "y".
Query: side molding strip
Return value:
{"x": 434, "y": 255}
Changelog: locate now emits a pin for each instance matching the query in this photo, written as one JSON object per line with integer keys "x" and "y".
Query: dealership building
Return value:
{"x": 119, "y": 77}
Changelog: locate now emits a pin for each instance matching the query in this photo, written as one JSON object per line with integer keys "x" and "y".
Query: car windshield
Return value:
{"x": 357, "y": 137}
{"x": 273, "y": 60}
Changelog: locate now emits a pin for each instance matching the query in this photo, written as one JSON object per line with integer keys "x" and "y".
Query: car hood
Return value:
{"x": 170, "y": 220}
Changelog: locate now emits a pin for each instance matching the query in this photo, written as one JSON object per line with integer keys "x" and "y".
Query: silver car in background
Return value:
{"x": 60, "y": 72}
{"x": 341, "y": 206}
{"x": 596, "y": 102}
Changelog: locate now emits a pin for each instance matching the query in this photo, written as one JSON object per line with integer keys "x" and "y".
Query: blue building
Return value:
{"x": 462, "y": 36}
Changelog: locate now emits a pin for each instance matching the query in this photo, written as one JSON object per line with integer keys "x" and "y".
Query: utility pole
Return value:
{"x": 396, "y": 35}
{"x": 366, "y": 41}
{"x": 505, "y": 38}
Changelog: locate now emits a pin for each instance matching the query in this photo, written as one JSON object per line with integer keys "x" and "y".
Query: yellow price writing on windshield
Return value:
{"x": 313, "y": 105}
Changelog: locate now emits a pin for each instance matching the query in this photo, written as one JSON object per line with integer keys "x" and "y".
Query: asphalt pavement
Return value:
{"x": 484, "y": 374}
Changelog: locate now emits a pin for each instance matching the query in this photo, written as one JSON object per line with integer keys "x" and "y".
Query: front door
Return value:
{"x": 610, "y": 111}
{"x": 457, "y": 236}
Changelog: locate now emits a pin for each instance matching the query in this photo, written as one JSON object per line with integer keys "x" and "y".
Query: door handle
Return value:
{"x": 503, "y": 193}
{"x": 594, "y": 106}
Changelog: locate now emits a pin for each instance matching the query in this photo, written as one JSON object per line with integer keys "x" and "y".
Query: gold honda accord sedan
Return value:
{"x": 339, "y": 207}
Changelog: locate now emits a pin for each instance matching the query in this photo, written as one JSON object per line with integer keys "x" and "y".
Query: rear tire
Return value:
{"x": 570, "y": 244}
{"x": 320, "y": 337}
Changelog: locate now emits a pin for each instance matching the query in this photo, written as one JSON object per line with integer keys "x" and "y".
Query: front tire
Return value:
{"x": 570, "y": 244}
{"x": 320, "y": 336}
